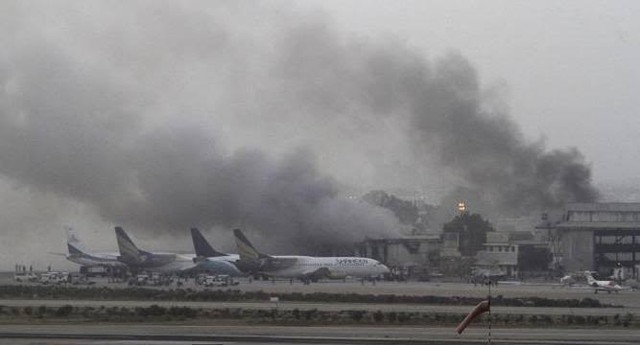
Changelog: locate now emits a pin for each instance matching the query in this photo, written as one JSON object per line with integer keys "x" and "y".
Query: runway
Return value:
{"x": 194, "y": 334}
{"x": 553, "y": 290}
{"x": 266, "y": 305}
{"x": 626, "y": 298}
{"x": 209, "y": 332}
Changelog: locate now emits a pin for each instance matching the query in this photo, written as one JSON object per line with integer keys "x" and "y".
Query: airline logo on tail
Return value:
{"x": 73, "y": 242}
{"x": 245, "y": 249}
{"x": 72, "y": 237}
{"x": 202, "y": 246}
{"x": 129, "y": 253}
{"x": 80, "y": 255}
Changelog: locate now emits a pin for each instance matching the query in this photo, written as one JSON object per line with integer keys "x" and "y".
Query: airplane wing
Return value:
{"x": 188, "y": 267}
{"x": 322, "y": 272}
{"x": 277, "y": 263}
{"x": 266, "y": 265}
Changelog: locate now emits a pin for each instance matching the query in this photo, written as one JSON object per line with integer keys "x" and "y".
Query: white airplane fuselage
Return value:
{"x": 307, "y": 268}
{"x": 166, "y": 262}
{"x": 95, "y": 259}
{"x": 333, "y": 267}
{"x": 141, "y": 260}
{"x": 602, "y": 285}
{"x": 79, "y": 255}
{"x": 224, "y": 264}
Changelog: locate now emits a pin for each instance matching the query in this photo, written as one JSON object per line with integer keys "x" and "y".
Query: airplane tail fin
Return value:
{"x": 129, "y": 252}
{"x": 246, "y": 250}
{"x": 202, "y": 246}
{"x": 74, "y": 245}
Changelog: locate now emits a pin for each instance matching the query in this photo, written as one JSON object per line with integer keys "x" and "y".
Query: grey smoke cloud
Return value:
{"x": 445, "y": 113}
{"x": 134, "y": 135}
{"x": 167, "y": 115}
{"x": 486, "y": 148}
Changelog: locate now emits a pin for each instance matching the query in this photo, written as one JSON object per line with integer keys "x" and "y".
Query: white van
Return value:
{"x": 220, "y": 280}
{"x": 54, "y": 278}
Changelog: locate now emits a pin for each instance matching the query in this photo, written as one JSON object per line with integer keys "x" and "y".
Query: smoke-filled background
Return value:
{"x": 158, "y": 116}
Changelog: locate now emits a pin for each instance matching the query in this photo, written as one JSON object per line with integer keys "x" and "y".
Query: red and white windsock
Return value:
{"x": 481, "y": 308}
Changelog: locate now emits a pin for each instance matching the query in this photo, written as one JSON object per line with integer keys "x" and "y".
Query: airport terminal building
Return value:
{"x": 597, "y": 236}
{"x": 409, "y": 256}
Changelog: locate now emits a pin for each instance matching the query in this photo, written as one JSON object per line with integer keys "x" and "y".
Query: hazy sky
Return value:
{"x": 567, "y": 69}
{"x": 161, "y": 115}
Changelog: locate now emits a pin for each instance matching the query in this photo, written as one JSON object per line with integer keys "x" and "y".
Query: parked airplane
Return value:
{"x": 139, "y": 260}
{"x": 306, "y": 268}
{"x": 567, "y": 280}
{"x": 601, "y": 285}
{"x": 79, "y": 255}
{"x": 212, "y": 260}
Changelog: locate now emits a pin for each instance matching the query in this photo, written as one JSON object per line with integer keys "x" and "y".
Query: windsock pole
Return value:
{"x": 479, "y": 309}
{"x": 489, "y": 299}
{"x": 482, "y": 307}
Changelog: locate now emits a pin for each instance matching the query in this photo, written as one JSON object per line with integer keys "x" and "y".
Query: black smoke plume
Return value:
{"x": 447, "y": 119}
{"x": 488, "y": 151}
{"x": 166, "y": 115}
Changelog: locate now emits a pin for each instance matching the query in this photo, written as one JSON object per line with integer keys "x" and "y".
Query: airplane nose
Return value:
{"x": 384, "y": 269}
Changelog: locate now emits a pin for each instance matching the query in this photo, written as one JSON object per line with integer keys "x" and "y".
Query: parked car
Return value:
{"x": 55, "y": 278}
{"x": 219, "y": 280}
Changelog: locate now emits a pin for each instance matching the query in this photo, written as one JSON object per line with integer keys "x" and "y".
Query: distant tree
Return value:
{"x": 532, "y": 258}
{"x": 405, "y": 211}
{"x": 472, "y": 232}
{"x": 434, "y": 258}
{"x": 460, "y": 267}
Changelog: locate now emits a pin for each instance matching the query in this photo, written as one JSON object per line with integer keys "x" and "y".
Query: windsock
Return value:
{"x": 482, "y": 307}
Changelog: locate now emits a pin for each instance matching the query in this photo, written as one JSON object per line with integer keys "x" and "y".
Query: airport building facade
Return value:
{"x": 499, "y": 255}
{"x": 411, "y": 256}
{"x": 596, "y": 236}
{"x": 600, "y": 237}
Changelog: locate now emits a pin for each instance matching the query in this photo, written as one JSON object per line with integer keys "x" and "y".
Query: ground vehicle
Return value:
{"x": 95, "y": 271}
{"x": 150, "y": 279}
{"x": 25, "y": 277}
{"x": 55, "y": 278}
{"x": 82, "y": 280}
{"x": 219, "y": 280}
{"x": 159, "y": 279}
{"x": 200, "y": 279}
{"x": 140, "y": 279}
